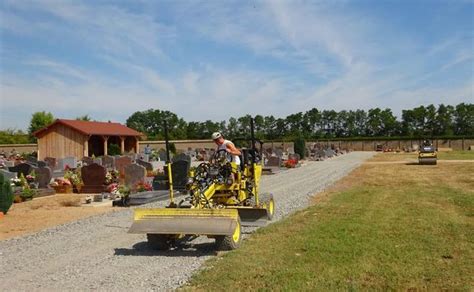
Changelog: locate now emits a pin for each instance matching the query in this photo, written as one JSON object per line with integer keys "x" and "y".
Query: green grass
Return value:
{"x": 456, "y": 155}
{"x": 396, "y": 228}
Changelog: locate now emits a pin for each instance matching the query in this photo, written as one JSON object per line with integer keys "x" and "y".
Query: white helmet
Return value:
{"x": 216, "y": 135}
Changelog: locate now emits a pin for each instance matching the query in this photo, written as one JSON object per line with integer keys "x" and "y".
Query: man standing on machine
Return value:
{"x": 227, "y": 145}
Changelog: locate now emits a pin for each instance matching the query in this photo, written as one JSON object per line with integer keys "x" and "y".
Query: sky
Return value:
{"x": 220, "y": 59}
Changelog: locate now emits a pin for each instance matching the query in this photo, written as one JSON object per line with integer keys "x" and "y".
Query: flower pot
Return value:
{"x": 63, "y": 189}
{"x": 17, "y": 199}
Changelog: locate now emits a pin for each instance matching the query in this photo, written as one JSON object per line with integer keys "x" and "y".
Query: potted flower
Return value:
{"x": 143, "y": 187}
{"x": 74, "y": 177}
{"x": 27, "y": 194}
{"x": 62, "y": 185}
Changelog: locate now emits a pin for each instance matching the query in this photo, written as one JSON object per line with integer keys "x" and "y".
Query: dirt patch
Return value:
{"x": 41, "y": 213}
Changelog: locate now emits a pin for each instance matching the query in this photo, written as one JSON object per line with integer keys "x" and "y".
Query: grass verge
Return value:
{"x": 382, "y": 227}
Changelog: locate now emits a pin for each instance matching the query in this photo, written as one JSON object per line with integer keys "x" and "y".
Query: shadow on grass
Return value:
{"x": 187, "y": 249}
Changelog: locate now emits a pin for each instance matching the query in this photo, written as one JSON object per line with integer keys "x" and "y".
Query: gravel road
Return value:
{"x": 97, "y": 252}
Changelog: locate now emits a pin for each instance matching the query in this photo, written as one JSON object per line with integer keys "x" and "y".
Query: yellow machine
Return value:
{"x": 221, "y": 198}
{"x": 427, "y": 154}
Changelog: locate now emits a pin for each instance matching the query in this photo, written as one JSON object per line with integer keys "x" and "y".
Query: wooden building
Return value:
{"x": 66, "y": 138}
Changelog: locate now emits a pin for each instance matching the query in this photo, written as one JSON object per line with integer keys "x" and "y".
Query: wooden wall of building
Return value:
{"x": 60, "y": 142}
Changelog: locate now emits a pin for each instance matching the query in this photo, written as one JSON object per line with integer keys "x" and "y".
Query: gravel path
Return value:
{"x": 97, "y": 253}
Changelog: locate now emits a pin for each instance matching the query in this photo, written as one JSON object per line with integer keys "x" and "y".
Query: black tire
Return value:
{"x": 158, "y": 241}
{"x": 269, "y": 202}
{"x": 230, "y": 242}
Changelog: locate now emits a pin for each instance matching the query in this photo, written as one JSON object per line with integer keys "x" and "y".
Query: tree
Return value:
{"x": 40, "y": 120}
{"x": 444, "y": 120}
{"x": 86, "y": 118}
{"x": 464, "y": 119}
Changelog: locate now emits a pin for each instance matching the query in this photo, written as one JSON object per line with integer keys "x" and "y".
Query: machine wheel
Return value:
{"x": 230, "y": 242}
{"x": 158, "y": 241}
{"x": 269, "y": 204}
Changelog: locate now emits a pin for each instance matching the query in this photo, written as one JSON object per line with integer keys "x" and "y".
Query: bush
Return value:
{"x": 6, "y": 195}
{"x": 299, "y": 145}
{"x": 113, "y": 149}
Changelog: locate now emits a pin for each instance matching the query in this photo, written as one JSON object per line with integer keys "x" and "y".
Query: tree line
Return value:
{"x": 422, "y": 121}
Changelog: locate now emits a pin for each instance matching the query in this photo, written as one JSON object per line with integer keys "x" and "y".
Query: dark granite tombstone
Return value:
{"x": 121, "y": 163}
{"x": 22, "y": 168}
{"x": 181, "y": 156}
{"x": 108, "y": 161}
{"x": 160, "y": 182}
{"x": 273, "y": 161}
{"x": 43, "y": 176}
{"x": 180, "y": 170}
{"x": 32, "y": 160}
{"x": 134, "y": 174}
{"x": 93, "y": 177}
{"x": 87, "y": 160}
{"x": 42, "y": 163}
{"x": 147, "y": 165}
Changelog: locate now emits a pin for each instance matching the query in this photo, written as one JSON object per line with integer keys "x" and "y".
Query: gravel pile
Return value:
{"x": 97, "y": 252}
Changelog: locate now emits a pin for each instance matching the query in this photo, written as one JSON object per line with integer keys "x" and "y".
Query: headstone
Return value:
{"x": 22, "y": 168}
{"x": 278, "y": 152}
{"x": 121, "y": 163}
{"x": 146, "y": 157}
{"x": 98, "y": 160}
{"x": 8, "y": 175}
{"x": 32, "y": 160}
{"x": 51, "y": 162}
{"x": 42, "y": 163}
{"x": 273, "y": 161}
{"x": 162, "y": 155}
{"x": 134, "y": 174}
{"x": 43, "y": 176}
{"x": 108, "y": 161}
{"x": 69, "y": 162}
{"x": 180, "y": 170}
{"x": 93, "y": 177}
{"x": 9, "y": 163}
{"x": 181, "y": 156}
{"x": 147, "y": 165}
{"x": 87, "y": 160}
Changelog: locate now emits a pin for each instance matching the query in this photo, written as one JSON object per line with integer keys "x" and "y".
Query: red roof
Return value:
{"x": 93, "y": 128}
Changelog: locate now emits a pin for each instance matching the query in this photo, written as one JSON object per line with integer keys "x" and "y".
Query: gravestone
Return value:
{"x": 98, "y": 160}
{"x": 8, "y": 175}
{"x": 179, "y": 170}
{"x": 42, "y": 163}
{"x": 278, "y": 152}
{"x": 87, "y": 160}
{"x": 32, "y": 160}
{"x": 146, "y": 157}
{"x": 273, "y": 161}
{"x": 121, "y": 163}
{"x": 93, "y": 177}
{"x": 9, "y": 163}
{"x": 162, "y": 155}
{"x": 67, "y": 162}
{"x": 43, "y": 176}
{"x": 22, "y": 168}
{"x": 147, "y": 165}
{"x": 108, "y": 161}
{"x": 181, "y": 156}
{"x": 51, "y": 162}
{"x": 134, "y": 174}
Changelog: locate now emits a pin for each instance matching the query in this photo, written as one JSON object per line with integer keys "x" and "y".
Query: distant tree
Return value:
{"x": 151, "y": 123}
{"x": 86, "y": 118}
{"x": 444, "y": 120}
{"x": 464, "y": 119}
{"x": 40, "y": 120}
{"x": 12, "y": 136}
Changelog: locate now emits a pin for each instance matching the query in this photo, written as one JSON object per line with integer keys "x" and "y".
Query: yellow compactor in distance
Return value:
{"x": 221, "y": 198}
{"x": 427, "y": 154}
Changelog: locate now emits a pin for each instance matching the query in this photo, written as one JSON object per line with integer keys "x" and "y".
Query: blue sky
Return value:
{"x": 217, "y": 59}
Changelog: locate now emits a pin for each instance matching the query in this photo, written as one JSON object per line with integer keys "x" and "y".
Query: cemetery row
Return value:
{"x": 122, "y": 177}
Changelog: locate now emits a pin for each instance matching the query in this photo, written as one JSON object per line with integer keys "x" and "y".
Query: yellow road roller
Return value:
{"x": 427, "y": 154}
